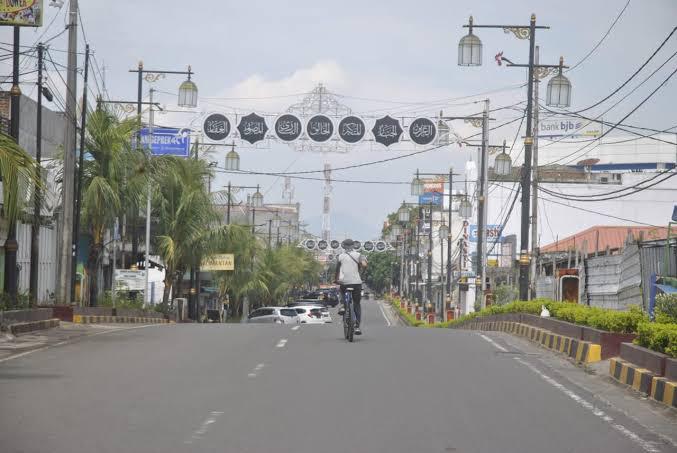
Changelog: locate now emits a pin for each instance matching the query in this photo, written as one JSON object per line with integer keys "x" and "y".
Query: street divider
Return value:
{"x": 627, "y": 373}
{"x": 578, "y": 350}
{"x": 93, "y": 319}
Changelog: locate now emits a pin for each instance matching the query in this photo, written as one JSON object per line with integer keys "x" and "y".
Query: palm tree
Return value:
{"x": 112, "y": 170}
{"x": 19, "y": 172}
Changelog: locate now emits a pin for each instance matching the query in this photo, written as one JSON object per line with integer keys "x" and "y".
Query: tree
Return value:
{"x": 19, "y": 173}
{"x": 111, "y": 171}
{"x": 379, "y": 272}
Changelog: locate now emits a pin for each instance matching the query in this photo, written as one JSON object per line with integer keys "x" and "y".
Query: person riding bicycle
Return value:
{"x": 349, "y": 263}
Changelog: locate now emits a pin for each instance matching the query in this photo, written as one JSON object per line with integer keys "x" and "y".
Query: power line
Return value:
{"x": 632, "y": 76}
{"x": 608, "y": 197}
{"x": 599, "y": 43}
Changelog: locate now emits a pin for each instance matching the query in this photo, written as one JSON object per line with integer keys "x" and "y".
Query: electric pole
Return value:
{"x": 35, "y": 229}
{"x": 11, "y": 245}
{"x": 68, "y": 185}
{"x": 534, "y": 184}
{"x": 482, "y": 208}
{"x": 78, "y": 179}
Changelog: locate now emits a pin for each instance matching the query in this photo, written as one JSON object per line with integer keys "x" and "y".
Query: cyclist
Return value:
{"x": 349, "y": 264}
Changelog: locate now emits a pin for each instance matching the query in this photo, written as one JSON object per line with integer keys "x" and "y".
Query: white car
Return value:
{"x": 274, "y": 315}
{"x": 313, "y": 314}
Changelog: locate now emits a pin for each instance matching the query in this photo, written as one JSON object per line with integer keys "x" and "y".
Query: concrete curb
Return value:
{"x": 626, "y": 373}
{"x": 578, "y": 350}
{"x": 664, "y": 391}
{"x": 24, "y": 327}
{"x": 91, "y": 319}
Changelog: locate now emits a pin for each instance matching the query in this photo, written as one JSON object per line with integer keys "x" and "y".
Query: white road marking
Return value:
{"x": 281, "y": 343}
{"x": 644, "y": 444}
{"x": 380, "y": 305}
{"x": 496, "y": 345}
{"x": 296, "y": 328}
{"x": 61, "y": 343}
{"x": 259, "y": 366}
{"x": 202, "y": 430}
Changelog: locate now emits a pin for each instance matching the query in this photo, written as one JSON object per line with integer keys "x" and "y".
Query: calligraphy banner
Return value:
{"x": 216, "y": 127}
{"x": 320, "y": 128}
{"x": 422, "y": 131}
{"x": 351, "y": 129}
{"x": 288, "y": 127}
{"x": 387, "y": 131}
{"x": 252, "y": 128}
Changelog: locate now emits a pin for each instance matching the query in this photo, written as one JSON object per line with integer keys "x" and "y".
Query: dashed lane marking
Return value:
{"x": 380, "y": 305}
{"x": 281, "y": 343}
{"x": 296, "y": 328}
{"x": 202, "y": 430}
{"x": 644, "y": 444}
{"x": 496, "y": 345}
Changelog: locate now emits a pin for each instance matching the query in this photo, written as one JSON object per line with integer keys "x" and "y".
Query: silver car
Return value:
{"x": 274, "y": 315}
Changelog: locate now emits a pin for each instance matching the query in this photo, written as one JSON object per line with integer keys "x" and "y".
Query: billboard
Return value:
{"x": 493, "y": 233}
{"x": 220, "y": 262}
{"x": 434, "y": 198}
{"x": 568, "y": 127}
{"x": 21, "y": 13}
{"x": 167, "y": 141}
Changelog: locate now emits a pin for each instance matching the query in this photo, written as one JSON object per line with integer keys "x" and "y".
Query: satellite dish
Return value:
{"x": 588, "y": 162}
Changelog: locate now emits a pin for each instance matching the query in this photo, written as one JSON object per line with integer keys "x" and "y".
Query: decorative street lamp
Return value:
{"x": 443, "y": 231}
{"x": 188, "y": 93}
{"x": 232, "y": 160}
{"x": 417, "y": 186}
{"x": 470, "y": 49}
{"x": 395, "y": 230}
{"x": 465, "y": 209}
{"x": 403, "y": 213}
{"x": 559, "y": 89}
{"x": 558, "y": 95}
{"x": 503, "y": 164}
{"x": 257, "y": 198}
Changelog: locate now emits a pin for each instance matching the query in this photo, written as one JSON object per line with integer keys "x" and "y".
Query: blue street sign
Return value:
{"x": 431, "y": 197}
{"x": 493, "y": 233}
{"x": 167, "y": 141}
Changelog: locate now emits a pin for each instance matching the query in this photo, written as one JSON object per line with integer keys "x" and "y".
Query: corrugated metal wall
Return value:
{"x": 652, "y": 259}
{"x": 629, "y": 290}
{"x": 603, "y": 281}
{"x": 47, "y": 266}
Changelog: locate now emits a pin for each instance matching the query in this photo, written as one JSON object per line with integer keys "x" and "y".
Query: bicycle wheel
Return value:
{"x": 346, "y": 322}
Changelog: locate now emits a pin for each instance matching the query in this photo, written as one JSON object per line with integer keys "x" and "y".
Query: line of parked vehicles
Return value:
{"x": 311, "y": 308}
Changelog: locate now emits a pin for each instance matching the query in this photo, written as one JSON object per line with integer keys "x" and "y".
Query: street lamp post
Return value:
{"x": 559, "y": 94}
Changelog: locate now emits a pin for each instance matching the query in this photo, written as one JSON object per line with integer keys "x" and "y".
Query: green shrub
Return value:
{"x": 505, "y": 294}
{"x": 658, "y": 337}
{"x": 665, "y": 310}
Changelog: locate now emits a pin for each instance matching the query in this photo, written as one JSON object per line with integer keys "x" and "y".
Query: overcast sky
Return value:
{"x": 379, "y": 57}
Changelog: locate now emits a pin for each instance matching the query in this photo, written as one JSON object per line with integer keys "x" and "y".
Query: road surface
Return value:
{"x": 267, "y": 388}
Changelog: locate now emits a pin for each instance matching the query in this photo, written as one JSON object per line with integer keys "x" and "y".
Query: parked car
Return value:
{"x": 274, "y": 315}
{"x": 330, "y": 296}
{"x": 313, "y": 314}
{"x": 305, "y": 302}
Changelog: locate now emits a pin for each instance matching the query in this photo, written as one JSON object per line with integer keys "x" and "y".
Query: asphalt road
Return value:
{"x": 266, "y": 388}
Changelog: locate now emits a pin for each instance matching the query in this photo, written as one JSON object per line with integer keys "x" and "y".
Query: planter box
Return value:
{"x": 29, "y": 315}
{"x": 644, "y": 358}
{"x": 93, "y": 311}
{"x": 671, "y": 369}
{"x": 63, "y": 312}
{"x": 555, "y": 325}
{"x": 609, "y": 341}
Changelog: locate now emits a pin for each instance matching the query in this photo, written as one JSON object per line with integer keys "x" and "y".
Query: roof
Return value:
{"x": 600, "y": 237}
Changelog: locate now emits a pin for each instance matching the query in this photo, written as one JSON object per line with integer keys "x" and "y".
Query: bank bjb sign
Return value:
{"x": 220, "y": 262}
{"x": 568, "y": 127}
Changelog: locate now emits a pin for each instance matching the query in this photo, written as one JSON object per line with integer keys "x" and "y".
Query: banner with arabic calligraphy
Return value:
{"x": 321, "y": 128}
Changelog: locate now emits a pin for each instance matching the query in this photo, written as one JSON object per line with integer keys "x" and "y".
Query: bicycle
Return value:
{"x": 349, "y": 318}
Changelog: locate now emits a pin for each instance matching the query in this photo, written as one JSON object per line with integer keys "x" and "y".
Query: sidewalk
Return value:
{"x": 11, "y": 345}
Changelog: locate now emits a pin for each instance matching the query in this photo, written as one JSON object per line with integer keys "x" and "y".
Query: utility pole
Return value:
{"x": 35, "y": 230}
{"x": 429, "y": 283}
{"x": 449, "y": 239}
{"x": 418, "y": 255}
{"x": 482, "y": 207}
{"x": 68, "y": 185}
{"x": 534, "y": 194}
{"x": 148, "y": 207}
{"x": 78, "y": 179}
{"x": 11, "y": 245}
